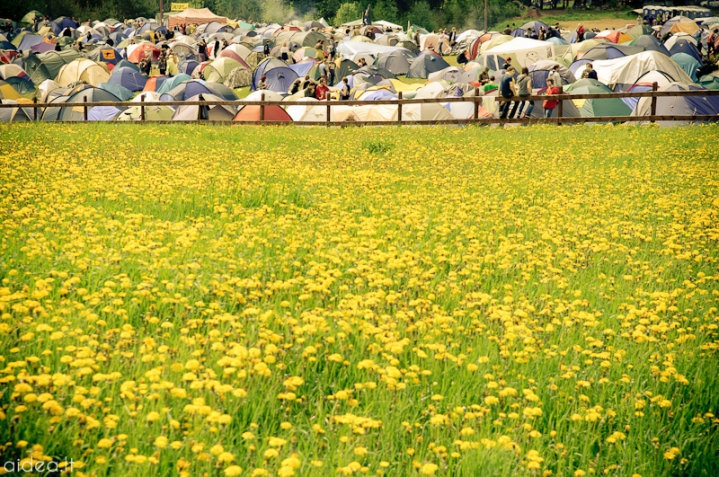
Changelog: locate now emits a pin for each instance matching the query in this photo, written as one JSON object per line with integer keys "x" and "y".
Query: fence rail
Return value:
{"x": 476, "y": 99}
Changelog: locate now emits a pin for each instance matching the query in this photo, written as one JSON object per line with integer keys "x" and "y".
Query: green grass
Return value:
{"x": 193, "y": 299}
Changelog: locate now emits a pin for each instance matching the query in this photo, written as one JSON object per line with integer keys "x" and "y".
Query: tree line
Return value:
{"x": 430, "y": 14}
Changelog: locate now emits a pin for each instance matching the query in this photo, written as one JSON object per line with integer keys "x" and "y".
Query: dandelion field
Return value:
{"x": 221, "y": 301}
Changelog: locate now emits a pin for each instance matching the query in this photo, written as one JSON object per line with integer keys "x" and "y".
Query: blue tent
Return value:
{"x": 279, "y": 76}
{"x": 61, "y": 23}
{"x": 689, "y": 64}
{"x": 680, "y": 105}
{"x": 188, "y": 67}
{"x": 685, "y": 46}
{"x": 129, "y": 78}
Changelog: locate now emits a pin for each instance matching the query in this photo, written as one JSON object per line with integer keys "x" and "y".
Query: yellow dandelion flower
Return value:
{"x": 233, "y": 471}
{"x": 428, "y": 469}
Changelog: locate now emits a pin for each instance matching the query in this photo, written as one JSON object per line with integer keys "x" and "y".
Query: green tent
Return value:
{"x": 592, "y": 108}
{"x": 29, "y": 18}
{"x": 47, "y": 65}
{"x": 219, "y": 69}
{"x": 710, "y": 81}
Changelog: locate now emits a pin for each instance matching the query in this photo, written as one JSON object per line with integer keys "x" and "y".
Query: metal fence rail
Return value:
{"x": 400, "y": 102}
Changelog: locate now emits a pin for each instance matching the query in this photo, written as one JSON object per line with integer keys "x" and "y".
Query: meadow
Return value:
{"x": 453, "y": 301}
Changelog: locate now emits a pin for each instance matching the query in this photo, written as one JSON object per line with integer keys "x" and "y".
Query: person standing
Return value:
{"x": 555, "y": 76}
{"x": 506, "y": 90}
{"x": 590, "y": 72}
{"x": 524, "y": 89}
{"x": 345, "y": 90}
{"x": 322, "y": 89}
{"x": 550, "y": 104}
{"x": 580, "y": 33}
{"x": 285, "y": 52}
{"x": 202, "y": 49}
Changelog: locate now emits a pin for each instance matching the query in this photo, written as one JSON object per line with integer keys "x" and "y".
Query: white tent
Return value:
{"x": 620, "y": 73}
{"x": 523, "y": 51}
{"x": 356, "y": 49}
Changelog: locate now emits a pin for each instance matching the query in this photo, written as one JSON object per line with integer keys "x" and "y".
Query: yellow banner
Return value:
{"x": 179, "y": 7}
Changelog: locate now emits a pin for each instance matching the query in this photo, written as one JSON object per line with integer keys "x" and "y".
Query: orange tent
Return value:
{"x": 273, "y": 113}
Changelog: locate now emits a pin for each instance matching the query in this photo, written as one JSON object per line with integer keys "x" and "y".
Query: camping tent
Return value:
{"x": 426, "y": 63}
{"x": 271, "y": 113}
{"x": 194, "y": 15}
{"x": 524, "y": 52}
{"x": 397, "y": 62}
{"x": 214, "y": 112}
{"x": 85, "y": 70}
{"x": 279, "y": 76}
{"x": 596, "y": 107}
{"x": 129, "y": 78}
{"x": 620, "y": 73}
{"x": 679, "y": 105}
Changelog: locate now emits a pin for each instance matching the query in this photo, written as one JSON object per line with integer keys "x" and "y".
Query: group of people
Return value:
{"x": 516, "y": 88}
{"x": 317, "y": 89}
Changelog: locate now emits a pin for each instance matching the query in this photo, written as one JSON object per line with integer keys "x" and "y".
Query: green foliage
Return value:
{"x": 431, "y": 14}
{"x": 385, "y": 10}
{"x": 347, "y": 12}
{"x": 276, "y": 11}
{"x": 421, "y": 14}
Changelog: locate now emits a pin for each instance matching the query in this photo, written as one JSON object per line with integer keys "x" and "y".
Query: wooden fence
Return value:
{"x": 557, "y": 118}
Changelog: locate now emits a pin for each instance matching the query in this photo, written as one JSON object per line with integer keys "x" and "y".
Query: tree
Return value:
{"x": 276, "y": 11}
{"x": 348, "y": 12}
{"x": 385, "y": 10}
{"x": 421, "y": 14}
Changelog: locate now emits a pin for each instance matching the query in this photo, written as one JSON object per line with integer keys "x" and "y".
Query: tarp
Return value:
{"x": 195, "y": 15}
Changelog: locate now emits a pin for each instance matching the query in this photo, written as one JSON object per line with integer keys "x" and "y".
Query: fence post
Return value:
{"x": 199, "y": 107}
{"x": 399, "y": 107}
{"x": 560, "y": 108}
{"x": 142, "y": 108}
{"x": 328, "y": 98}
{"x": 476, "y": 103}
{"x": 655, "y": 88}
{"x": 84, "y": 109}
{"x": 262, "y": 106}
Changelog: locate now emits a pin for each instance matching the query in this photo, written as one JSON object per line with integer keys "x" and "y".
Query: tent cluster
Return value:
{"x": 208, "y": 57}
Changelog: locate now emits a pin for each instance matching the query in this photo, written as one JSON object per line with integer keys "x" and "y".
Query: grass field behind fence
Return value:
{"x": 194, "y": 300}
